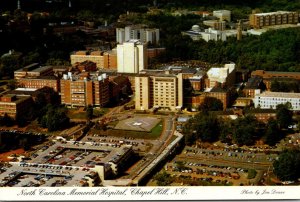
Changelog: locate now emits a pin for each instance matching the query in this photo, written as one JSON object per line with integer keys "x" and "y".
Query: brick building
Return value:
{"x": 260, "y": 20}
{"x": 15, "y": 106}
{"x": 103, "y": 60}
{"x": 33, "y": 71}
{"x": 83, "y": 90}
{"x": 40, "y": 82}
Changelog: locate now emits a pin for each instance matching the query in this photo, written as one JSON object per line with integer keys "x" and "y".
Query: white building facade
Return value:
{"x": 132, "y": 57}
{"x": 145, "y": 35}
{"x": 223, "y": 15}
{"x": 269, "y": 100}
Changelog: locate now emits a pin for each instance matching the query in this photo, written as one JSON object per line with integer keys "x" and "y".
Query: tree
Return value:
{"x": 287, "y": 167}
{"x": 211, "y": 104}
{"x": 203, "y": 126}
{"x": 284, "y": 115}
{"x": 226, "y": 131}
{"x": 89, "y": 113}
{"x": 272, "y": 133}
{"x": 163, "y": 179}
{"x": 12, "y": 84}
{"x": 55, "y": 118}
{"x": 244, "y": 130}
{"x": 6, "y": 120}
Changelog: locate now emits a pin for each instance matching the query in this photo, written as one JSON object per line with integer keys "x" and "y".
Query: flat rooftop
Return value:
{"x": 279, "y": 95}
{"x": 274, "y": 13}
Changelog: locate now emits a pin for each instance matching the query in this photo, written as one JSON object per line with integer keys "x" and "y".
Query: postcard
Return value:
{"x": 149, "y": 100}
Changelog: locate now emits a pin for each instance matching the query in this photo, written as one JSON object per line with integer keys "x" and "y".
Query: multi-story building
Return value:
{"x": 84, "y": 89}
{"x": 132, "y": 56}
{"x": 40, "y": 82}
{"x": 263, "y": 115}
{"x": 260, "y": 20}
{"x": 269, "y": 76}
{"x": 119, "y": 86}
{"x": 223, "y": 15}
{"x": 154, "y": 52}
{"x": 15, "y": 106}
{"x": 269, "y": 100}
{"x": 253, "y": 84}
{"x": 158, "y": 91}
{"x": 221, "y": 76}
{"x": 86, "y": 66}
{"x": 272, "y": 74}
{"x": 215, "y": 24}
{"x": 137, "y": 32}
{"x": 103, "y": 60}
{"x": 33, "y": 71}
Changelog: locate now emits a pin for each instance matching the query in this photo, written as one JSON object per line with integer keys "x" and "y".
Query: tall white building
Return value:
{"x": 269, "y": 100}
{"x": 132, "y": 56}
{"x": 145, "y": 35}
{"x": 223, "y": 15}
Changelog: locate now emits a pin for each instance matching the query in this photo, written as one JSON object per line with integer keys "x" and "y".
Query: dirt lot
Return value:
{"x": 3, "y": 156}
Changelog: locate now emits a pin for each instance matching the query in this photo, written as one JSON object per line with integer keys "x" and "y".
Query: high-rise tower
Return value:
{"x": 19, "y": 5}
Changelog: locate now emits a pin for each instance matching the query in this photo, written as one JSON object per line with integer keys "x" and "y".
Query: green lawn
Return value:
{"x": 154, "y": 134}
{"x": 79, "y": 114}
{"x": 156, "y": 131}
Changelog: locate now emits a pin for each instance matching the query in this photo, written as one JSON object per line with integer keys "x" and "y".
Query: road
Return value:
{"x": 158, "y": 146}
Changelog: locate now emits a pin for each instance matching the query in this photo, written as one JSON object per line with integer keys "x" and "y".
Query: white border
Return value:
{"x": 150, "y": 193}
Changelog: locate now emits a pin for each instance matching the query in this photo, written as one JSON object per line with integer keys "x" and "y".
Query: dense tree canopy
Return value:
{"x": 211, "y": 104}
{"x": 203, "y": 127}
{"x": 289, "y": 85}
{"x": 55, "y": 118}
{"x": 272, "y": 133}
{"x": 287, "y": 167}
{"x": 284, "y": 115}
{"x": 245, "y": 130}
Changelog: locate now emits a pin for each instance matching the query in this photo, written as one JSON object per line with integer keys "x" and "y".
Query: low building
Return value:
{"x": 263, "y": 115}
{"x": 86, "y": 66}
{"x": 269, "y": 76}
{"x": 119, "y": 159}
{"x": 221, "y": 94}
{"x": 40, "y": 82}
{"x": 33, "y": 71}
{"x": 15, "y": 106}
{"x": 208, "y": 34}
{"x": 274, "y": 74}
{"x": 252, "y": 85}
{"x": 242, "y": 102}
{"x": 269, "y": 100}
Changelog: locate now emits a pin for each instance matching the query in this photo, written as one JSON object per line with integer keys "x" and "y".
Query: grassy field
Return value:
{"x": 154, "y": 134}
{"x": 81, "y": 114}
